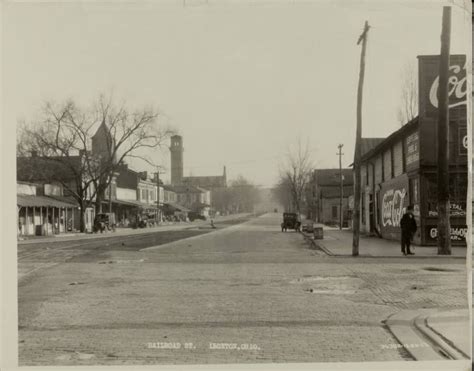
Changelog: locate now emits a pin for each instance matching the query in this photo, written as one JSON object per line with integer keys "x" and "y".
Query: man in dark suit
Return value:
{"x": 408, "y": 227}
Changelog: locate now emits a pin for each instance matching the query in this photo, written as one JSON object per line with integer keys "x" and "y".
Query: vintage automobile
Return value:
{"x": 192, "y": 215}
{"x": 290, "y": 221}
{"x": 103, "y": 222}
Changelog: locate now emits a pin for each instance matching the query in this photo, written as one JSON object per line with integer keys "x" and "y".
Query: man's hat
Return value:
{"x": 410, "y": 208}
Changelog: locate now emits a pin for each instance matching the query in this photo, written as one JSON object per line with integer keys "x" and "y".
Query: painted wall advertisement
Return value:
{"x": 412, "y": 150}
{"x": 462, "y": 140}
{"x": 456, "y": 209}
{"x": 429, "y": 83}
{"x": 458, "y": 233}
{"x": 394, "y": 201}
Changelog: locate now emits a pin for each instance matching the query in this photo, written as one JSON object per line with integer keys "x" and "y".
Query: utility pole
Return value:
{"x": 158, "y": 195}
{"x": 444, "y": 227}
{"x": 341, "y": 183}
{"x": 357, "y": 188}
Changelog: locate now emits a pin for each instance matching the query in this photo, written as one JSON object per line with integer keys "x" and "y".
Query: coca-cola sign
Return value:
{"x": 393, "y": 207}
{"x": 457, "y": 87}
{"x": 429, "y": 83}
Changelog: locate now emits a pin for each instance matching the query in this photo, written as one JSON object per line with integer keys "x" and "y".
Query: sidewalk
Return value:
{"x": 339, "y": 243}
{"x": 430, "y": 334}
{"x": 453, "y": 327}
{"x": 165, "y": 226}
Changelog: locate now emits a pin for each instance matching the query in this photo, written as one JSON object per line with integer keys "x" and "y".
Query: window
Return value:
{"x": 334, "y": 212}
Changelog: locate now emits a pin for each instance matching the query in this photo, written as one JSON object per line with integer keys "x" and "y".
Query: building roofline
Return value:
{"x": 392, "y": 137}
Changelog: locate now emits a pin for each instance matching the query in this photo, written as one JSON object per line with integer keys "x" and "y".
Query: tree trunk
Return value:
{"x": 82, "y": 217}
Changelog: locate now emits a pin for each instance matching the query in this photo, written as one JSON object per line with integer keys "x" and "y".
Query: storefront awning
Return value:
{"x": 177, "y": 207}
{"x": 128, "y": 203}
{"x": 41, "y": 201}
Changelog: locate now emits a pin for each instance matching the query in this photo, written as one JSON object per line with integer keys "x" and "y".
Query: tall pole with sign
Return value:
{"x": 444, "y": 227}
{"x": 357, "y": 186}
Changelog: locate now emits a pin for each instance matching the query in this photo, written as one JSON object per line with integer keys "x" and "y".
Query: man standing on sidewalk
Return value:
{"x": 408, "y": 227}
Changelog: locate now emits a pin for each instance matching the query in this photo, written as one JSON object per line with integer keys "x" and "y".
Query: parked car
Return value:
{"x": 103, "y": 222}
{"x": 192, "y": 215}
{"x": 290, "y": 221}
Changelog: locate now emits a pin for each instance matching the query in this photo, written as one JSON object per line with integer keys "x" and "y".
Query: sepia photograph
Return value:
{"x": 251, "y": 183}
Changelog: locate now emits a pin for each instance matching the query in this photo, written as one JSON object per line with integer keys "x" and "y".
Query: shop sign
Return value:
{"x": 458, "y": 233}
{"x": 455, "y": 209}
{"x": 412, "y": 146}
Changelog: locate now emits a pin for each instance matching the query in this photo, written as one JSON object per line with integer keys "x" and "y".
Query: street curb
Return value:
{"x": 409, "y": 327}
{"x": 446, "y": 340}
{"x": 447, "y": 346}
{"x": 328, "y": 252}
{"x": 307, "y": 237}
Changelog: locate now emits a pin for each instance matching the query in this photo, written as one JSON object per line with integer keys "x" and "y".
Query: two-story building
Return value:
{"x": 137, "y": 196}
{"x": 193, "y": 198}
{"x": 326, "y": 193}
{"x": 402, "y": 169}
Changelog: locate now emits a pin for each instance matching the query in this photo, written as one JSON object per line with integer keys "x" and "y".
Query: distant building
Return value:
{"x": 136, "y": 197}
{"x": 193, "y": 198}
{"x": 326, "y": 195}
{"x": 214, "y": 184}
{"x": 177, "y": 165}
{"x": 207, "y": 182}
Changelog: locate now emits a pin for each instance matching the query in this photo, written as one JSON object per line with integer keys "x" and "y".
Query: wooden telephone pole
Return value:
{"x": 357, "y": 187}
{"x": 158, "y": 195}
{"x": 444, "y": 227}
{"x": 341, "y": 184}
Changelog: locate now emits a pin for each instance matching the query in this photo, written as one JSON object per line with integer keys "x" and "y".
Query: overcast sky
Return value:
{"x": 240, "y": 81}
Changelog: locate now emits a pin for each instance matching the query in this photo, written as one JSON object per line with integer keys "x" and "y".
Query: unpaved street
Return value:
{"x": 245, "y": 293}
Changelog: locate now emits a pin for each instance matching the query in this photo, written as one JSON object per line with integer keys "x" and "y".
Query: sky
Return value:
{"x": 241, "y": 81}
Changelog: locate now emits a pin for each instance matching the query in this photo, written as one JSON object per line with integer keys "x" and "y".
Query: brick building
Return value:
{"x": 402, "y": 169}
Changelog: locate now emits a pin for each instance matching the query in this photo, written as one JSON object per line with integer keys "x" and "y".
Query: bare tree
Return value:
{"x": 244, "y": 195}
{"x": 241, "y": 196}
{"x": 295, "y": 174}
{"x": 62, "y": 142}
{"x": 408, "y": 108}
{"x": 281, "y": 193}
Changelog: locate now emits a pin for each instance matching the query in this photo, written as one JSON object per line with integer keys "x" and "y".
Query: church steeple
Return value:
{"x": 102, "y": 142}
